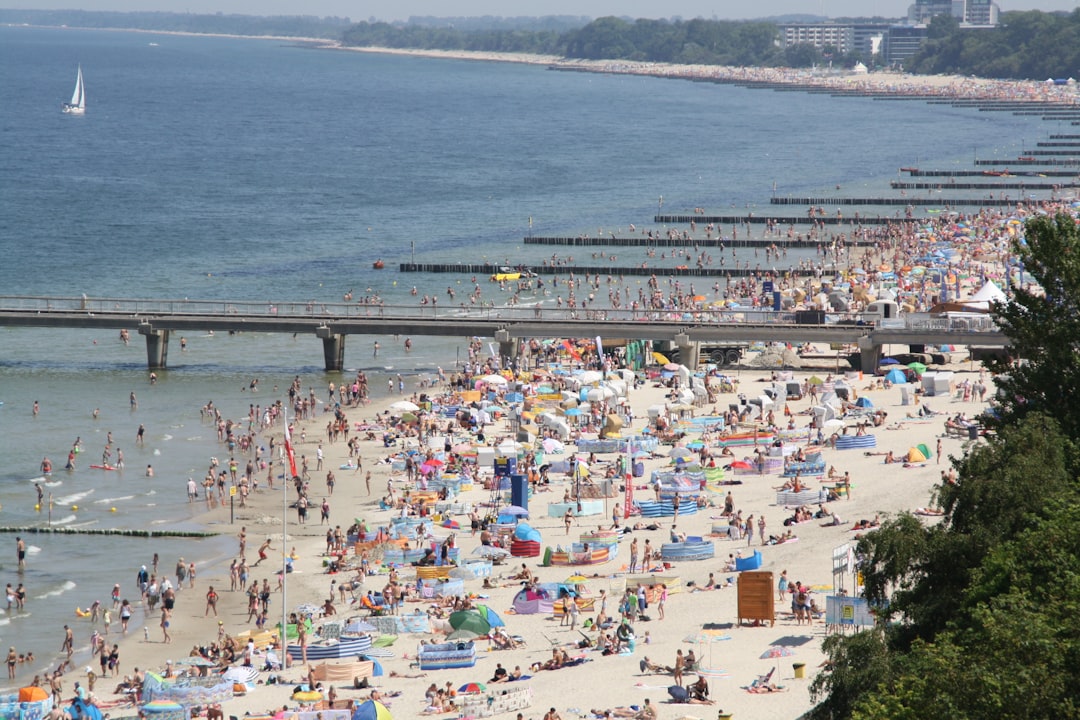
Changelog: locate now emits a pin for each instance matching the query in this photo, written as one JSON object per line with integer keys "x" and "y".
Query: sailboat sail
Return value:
{"x": 77, "y": 106}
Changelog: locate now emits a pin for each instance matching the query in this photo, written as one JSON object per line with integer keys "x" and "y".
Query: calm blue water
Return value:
{"x": 223, "y": 168}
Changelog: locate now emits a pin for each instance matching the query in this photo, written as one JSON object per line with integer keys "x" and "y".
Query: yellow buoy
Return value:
{"x": 38, "y": 507}
{"x": 74, "y": 507}
{"x": 112, "y": 509}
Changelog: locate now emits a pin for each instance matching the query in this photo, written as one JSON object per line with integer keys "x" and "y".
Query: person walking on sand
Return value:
{"x": 568, "y": 518}
{"x": 165, "y": 615}
{"x": 633, "y": 555}
{"x": 680, "y": 663}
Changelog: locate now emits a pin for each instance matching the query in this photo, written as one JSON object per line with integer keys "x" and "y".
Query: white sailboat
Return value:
{"x": 77, "y": 106}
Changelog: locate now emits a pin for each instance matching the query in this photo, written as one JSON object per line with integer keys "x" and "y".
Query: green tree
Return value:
{"x": 1044, "y": 327}
{"x": 801, "y": 55}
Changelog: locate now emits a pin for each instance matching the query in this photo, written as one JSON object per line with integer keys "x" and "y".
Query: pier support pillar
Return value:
{"x": 508, "y": 347}
{"x": 157, "y": 346}
{"x": 333, "y": 345}
{"x": 688, "y": 351}
{"x": 869, "y": 355}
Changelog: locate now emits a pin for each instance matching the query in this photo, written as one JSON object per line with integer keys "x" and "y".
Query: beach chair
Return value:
{"x": 763, "y": 680}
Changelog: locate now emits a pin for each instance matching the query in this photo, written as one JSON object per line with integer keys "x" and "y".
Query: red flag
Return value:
{"x": 288, "y": 447}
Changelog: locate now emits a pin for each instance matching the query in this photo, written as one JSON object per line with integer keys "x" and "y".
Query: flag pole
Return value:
{"x": 291, "y": 456}
{"x": 284, "y": 557}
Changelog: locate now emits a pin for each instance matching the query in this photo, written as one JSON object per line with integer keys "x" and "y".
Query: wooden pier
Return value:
{"x": 951, "y": 202}
{"x": 991, "y": 186}
{"x": 647, "y": 242}
{"x": 780, "y": 220}
{"x": 715, "y": 271}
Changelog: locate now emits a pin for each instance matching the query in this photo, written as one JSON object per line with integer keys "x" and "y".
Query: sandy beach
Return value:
{"x": 893, "y": 83}
{"x": 602, "y": 681}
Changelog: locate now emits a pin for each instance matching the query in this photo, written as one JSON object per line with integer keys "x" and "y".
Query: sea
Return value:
{"x": 266, "y": 171}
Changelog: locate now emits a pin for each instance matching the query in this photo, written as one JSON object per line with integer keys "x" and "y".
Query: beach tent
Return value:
{"x": 372, "y": 710}
{"x": 531, "y": 602}
{"x": 896, "y": 377}
{"x": 921, "y": 447}
{"x": 987, "y": 295}
{"x": 915, "y": 455}
{"x": 864, "y": 402}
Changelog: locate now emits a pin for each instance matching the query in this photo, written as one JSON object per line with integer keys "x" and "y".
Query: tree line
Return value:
{"x": 607, "y": 38}
{"x": 1030, "y": 45}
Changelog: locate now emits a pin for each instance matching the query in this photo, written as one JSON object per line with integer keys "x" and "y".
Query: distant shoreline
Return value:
{"x": 889, "y": 83}
{"x": 182, "y": 33}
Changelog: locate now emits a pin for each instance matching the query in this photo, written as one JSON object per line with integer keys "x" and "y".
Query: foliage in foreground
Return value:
{"x": 978, "y": 612}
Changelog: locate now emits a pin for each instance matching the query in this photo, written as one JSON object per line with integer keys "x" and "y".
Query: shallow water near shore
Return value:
{"x": 254, "y": 170}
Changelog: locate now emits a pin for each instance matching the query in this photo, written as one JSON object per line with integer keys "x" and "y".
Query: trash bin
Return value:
{"x": 800, "y": 670}
{"x": 973, "y": 433}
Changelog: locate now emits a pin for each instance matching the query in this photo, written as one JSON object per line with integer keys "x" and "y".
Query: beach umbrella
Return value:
{"x": 924, "y": 450}
{"x": 551, "y": 445}
{"x": 740, "y": 465}
{"x": 307, "y": 696}
{"x": 889, "y": 361}
{"x": 472, "y": 687}
{"x": 372, "y": 710}
{"x": 918, "y": 367}
{"x": 661, "y": 359}
{"x": 493, "y": 379}
{"x": 896, "y": 377}
{"x": 241, "y": 674}
{"x": 680, "y": 452}
{"x": 491, "y": 552}
{"x": 404, "y": 406}
{"x": 470, "y": 620}
{"x": 815, "y": 380}
{"x": 408, "y": 417}
{"x": 672, "y": 367}
{"x": 777, "y": 651}
{"x": 572, "y": 412}
{"x": 514, "y": 511}
{"x": 32, "y": 693}
{"x": 834, "y": 424}
{"x": 575, "y": 579}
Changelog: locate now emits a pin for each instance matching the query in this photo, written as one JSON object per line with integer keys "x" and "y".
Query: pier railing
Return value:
{"x": 315, "y": 312}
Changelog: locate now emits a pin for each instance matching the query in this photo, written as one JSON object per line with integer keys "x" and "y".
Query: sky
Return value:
{"x": 402, "y": 9}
